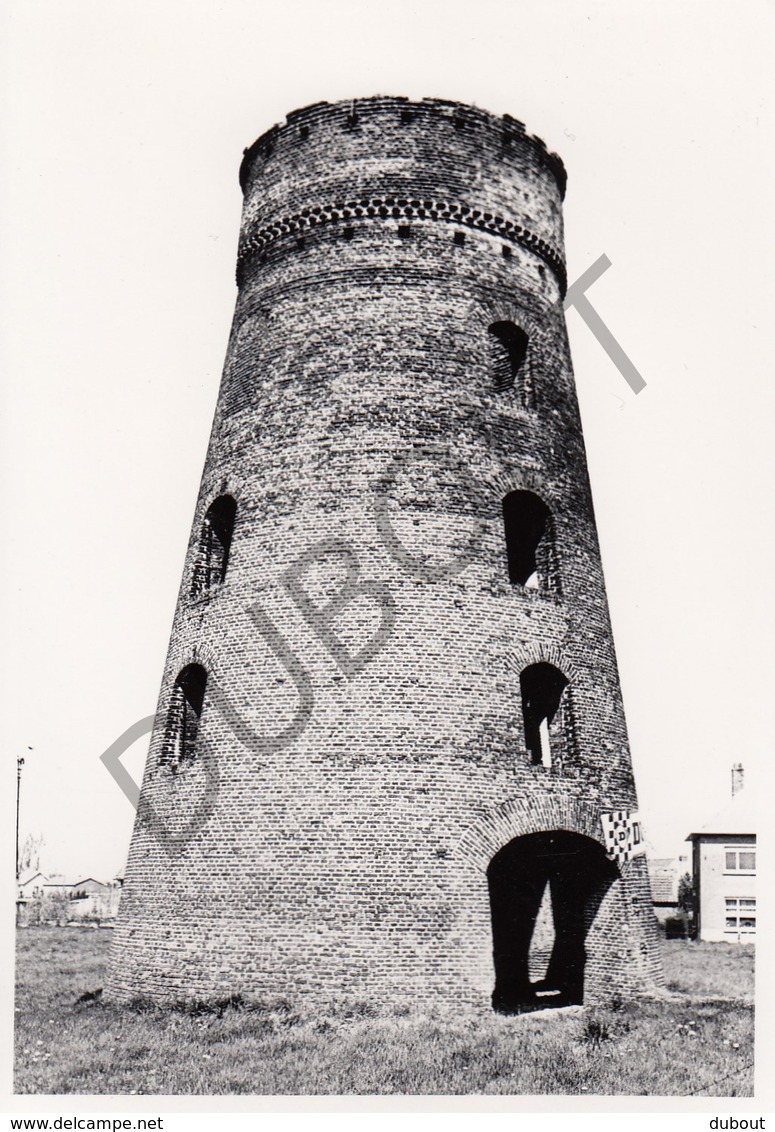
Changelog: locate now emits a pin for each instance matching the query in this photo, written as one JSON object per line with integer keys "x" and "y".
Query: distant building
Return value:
{"x": 31, "y": 884}
{"x": 87, "y": 887}
{"x": 88, "y": 897}
{"x": 665, "y": 874}
{"x": 724, "y": 870}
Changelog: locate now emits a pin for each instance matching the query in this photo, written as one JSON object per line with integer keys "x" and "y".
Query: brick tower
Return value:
{"x": 390, "y": 759}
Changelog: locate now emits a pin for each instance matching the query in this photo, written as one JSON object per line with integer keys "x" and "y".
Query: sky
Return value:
{"x": 122, "y": 132}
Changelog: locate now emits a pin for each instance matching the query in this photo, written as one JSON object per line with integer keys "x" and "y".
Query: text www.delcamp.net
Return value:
{"x": 86, "y": 1123}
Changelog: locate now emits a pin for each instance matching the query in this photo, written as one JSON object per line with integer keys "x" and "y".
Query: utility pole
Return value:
{"x": 19, "y": 765}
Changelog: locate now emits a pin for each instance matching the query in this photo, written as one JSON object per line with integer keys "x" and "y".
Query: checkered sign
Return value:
{"x": 623, "y": 835}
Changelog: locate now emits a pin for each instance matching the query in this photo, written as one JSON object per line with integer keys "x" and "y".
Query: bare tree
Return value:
{"x": 29, "y": 857}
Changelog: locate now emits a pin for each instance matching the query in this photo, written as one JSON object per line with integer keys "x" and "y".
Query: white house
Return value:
{"x": 724, "y": 870}
{"x": 31, "y": 884}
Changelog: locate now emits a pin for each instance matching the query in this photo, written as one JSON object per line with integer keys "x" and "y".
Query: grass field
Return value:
{"x": 696, "y": 1040}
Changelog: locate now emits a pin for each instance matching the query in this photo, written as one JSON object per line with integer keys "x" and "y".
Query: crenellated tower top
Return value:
{"x": 388, "y": 158}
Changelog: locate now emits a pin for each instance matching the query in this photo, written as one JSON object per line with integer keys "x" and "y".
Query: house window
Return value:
{"x": 186, "y": 704}
{"x": 542, "y": 686}
{"x": 740, "y": 915}
{"x": 212, "y": 556}
{"x": 526, "y": 520}
{"x": 740, "y": 860}
{"x": 508, "y": 351}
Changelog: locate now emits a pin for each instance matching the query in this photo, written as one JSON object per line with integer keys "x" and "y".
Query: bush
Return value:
{"x": 677, "y": 927}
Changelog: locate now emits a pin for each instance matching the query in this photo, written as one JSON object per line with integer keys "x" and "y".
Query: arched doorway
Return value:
{"x": 577, "y": 873}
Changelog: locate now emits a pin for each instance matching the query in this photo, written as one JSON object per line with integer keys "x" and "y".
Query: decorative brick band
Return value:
{"x": 385, "y": 208}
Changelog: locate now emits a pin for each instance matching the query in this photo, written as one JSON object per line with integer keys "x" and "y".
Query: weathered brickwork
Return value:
{"x": 381, "y": 239}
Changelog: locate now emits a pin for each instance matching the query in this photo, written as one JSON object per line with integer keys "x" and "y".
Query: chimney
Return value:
{"x": 737, "y": 778}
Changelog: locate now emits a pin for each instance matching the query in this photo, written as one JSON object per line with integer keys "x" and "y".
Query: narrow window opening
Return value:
{"x": 348, "y": 233}
{"x": 459, "y": 238}
{"x": 404, "y": 231}
{"x": 508, "y": 351}
{"x": 212, "y": 557}
{"x": 526, "y": 523}
{"x": 185, "y": 710}
{"x": 506, "y": 251}
{"x": 542, "y": 686}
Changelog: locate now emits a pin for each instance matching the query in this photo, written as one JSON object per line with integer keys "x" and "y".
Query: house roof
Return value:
{"x": 664, "y": 889}
{"x": 68, "y": 882}
{"x": 663, "y": 874}
{"x": 30, "y": 874}
{"x": 737, "y": 817}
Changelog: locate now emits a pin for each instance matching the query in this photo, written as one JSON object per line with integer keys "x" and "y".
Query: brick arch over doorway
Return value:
{"x": 537, "y": 813}
{"x": 612, "y": 960}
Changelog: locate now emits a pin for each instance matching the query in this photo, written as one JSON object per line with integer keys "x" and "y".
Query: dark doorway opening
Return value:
{"x": 577, "y": 873}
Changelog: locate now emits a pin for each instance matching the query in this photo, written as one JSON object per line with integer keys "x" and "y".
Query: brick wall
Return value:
{"x": 343, "y": 849}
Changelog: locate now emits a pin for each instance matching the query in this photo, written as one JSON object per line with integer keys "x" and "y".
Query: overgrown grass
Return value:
{"x": 697, "y": 1040}
{"x": 709, "y": 970}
